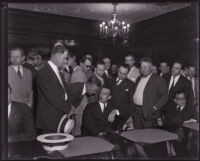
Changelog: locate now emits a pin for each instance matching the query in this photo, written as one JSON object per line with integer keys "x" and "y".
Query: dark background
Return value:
{"x": 166, "y": 37}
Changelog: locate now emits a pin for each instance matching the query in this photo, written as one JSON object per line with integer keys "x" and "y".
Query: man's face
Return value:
{"x": 16, "y": 57}
{"x": 163, "y": 68}
{"x": 176, "y": 69}
{"x": 91, "y": 88}
{"x": 180, "y": 99}
{"x": 129, "y": 61}
{"x": 62, "y": 59}
{"x": 114, "y": 68}
{"x": 71, "y": 61}
{"x": 86, "y": 66}
{"x": 191, "y": 71}
{"x": 122, "y": 73}
{"x": 38, "y": 60}
{"x": 145, "y": 68}
{"x": 100, "y": 70}
{"x": 104, "y": 95}
{"x": 107, "y": 63}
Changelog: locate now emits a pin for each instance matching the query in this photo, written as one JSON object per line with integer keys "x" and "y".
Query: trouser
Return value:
{"x": 138, "y": 118}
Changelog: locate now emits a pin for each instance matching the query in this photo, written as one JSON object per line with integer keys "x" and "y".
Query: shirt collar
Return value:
{"x": 16, "y": 67}
{"x": 102, "y": 104}
{"x": 147, "y": 77}
{"x": 176, "y": 77}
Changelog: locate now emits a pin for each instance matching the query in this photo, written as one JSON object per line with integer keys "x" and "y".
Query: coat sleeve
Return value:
{"x": 88, "y": 121}
{"x": 163, "y": 92}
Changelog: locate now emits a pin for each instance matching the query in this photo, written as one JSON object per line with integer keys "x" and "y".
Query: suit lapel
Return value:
{"x": 149, "y": 82}
{"x": 179, "y": 82}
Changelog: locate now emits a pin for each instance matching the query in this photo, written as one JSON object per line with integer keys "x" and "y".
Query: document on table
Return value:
{"x": 86, "y": 145}
{"x": 149, "y": 135}
{"x": 192, "y": 125}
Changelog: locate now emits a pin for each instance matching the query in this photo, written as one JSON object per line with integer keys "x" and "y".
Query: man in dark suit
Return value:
{"x": 179, "y": 111}
{"x": 149, "y": 97}
{"x": 30, "y": 64}
{"x": 54, "y": 96}
{"x": 20, "y": 121}
{"x": 95, "y": 115}
{"x": 121, "y": 91}
{"x": 177, "y": 82}
{"x": 164, "y": 68}
{"x": 107, "y": 74}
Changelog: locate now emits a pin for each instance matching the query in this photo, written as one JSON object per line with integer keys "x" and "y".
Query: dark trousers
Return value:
{"x": 138, "y": 118}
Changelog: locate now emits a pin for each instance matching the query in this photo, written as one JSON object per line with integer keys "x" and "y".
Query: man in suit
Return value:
{"x": 133, "y": 70}
{"x": 54, "y": 96}
{"x": 107, "y": 62}
{"x": 195, "y": 84}
{"x": 177, "y": 82}
{"x": 164, "y": 68}
{"x": 179, "y": 111}
{"x": 20, "y": 121}
{"x": 30, "y": 63}
{"x": 149, "y": 97}
{"x": 20, "y": 78}
{"x": 121, "y": 91}
{"x": 95, "y": 115}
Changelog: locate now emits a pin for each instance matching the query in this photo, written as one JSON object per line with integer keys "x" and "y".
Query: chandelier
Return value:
{"x": 114, "y": 29}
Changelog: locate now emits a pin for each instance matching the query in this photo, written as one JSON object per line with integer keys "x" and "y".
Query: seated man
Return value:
{"x": 95, "y": 115}
{"x": 20, "y": 121}
{"x": 179, "y": 112}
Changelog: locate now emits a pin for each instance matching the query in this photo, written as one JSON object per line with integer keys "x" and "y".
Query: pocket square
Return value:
{"x": 126, "y": 90}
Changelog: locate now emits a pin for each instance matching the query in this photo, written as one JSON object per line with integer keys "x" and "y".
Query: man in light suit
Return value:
{"x": 54, "y": 95}
{"x": 133, "y": 70}
{"x": 149, "y": 97}
{"x": 20, "y": 78}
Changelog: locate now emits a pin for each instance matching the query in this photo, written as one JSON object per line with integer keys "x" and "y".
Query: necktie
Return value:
{"x": 173, "y": 82}
{"x": 19, "y": 73}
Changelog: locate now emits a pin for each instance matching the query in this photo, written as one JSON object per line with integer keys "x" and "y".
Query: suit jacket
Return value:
{"x": 20, "y": 123}
{"x": 122, "y": 96}
{"x": 155, "y": 94}
{"x": 182, "y": 85}
{"x": 176, "y": 117}
{"x": 51, "y": 99}
{"x": 21, "y": 88}
{"x": 94, "y": 120}
{"x": 78, "y": 76}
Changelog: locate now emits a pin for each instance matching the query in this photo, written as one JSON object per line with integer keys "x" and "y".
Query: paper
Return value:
{"x": 149, "y": 135}
{"x": 192, "y": 125}
{"x": 87, "y": 145}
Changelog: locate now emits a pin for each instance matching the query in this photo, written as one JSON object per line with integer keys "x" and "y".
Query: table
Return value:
{"x": 83, "y": 147}
{"x": 193, "y": 126}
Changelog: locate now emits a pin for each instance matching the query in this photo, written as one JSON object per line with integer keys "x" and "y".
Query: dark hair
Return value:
{"x": 18, "y": 48}
{"x": 84, "y": 58}
{"x": 99, "y": 62}
{"x": 124, "y": 65}
{"x": 183, "y": 66}
{"x": 146, "y": 59}
{"x": 164, "y": 62}
{"x": 32, "y": 54}
{"x": 179, "y": 92}
{"x": 131, "y": 55}
{"x": 58, "y": 49}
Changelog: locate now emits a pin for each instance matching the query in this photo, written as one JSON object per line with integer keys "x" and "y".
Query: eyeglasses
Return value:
{"x": 88, "y": 66}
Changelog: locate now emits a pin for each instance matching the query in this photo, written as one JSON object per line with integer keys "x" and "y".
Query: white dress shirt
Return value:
{"x": 175, "y": 80}
{"x": 133, "y": 74}
{"x": 9, "y": 109}
{"x": 102, "y": 105}
{"x": 56, "y": 71}
{"x": 20, "y": 69}
{"x": 138, "y": 96}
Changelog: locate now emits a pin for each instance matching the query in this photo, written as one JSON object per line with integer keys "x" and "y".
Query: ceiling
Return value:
{"x": 128, "y": 12}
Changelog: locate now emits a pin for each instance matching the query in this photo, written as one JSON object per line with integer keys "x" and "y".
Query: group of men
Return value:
{"x": 100, "y": 98}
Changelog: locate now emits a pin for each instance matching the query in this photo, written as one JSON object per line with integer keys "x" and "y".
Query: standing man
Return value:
{"x": 121, "y": 92}
{"x": 149, "y": 97}
{"x": 133, "y": 70}
{"x": 54, "y": 96}
{"x": 164, "y": 68}
{"x": 107, "y": 63}
{"x": 20, "y": 78}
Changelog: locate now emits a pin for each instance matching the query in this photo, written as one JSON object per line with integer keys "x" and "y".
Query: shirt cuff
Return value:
{"x": 84, "y": 90}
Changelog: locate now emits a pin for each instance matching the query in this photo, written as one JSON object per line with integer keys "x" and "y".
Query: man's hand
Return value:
{"x": 111, "y": 117}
